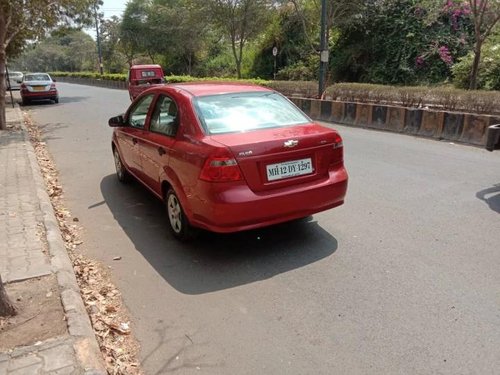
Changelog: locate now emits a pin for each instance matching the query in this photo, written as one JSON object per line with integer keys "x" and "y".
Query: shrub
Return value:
{"x": 439, "y": 97}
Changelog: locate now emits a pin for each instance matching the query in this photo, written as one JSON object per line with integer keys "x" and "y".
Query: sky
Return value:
{"x": 113, "y": 8}
{"x": 110, "y": 8}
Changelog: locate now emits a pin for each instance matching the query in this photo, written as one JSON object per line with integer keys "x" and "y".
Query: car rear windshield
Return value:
{"x": 238, "y": 112}
{"x": 36, "y": 77}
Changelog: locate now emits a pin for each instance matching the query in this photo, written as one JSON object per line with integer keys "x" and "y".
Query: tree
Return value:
{"x": 22, "y": 20}
{"x": 241, "y": 21}
{"x": 135, "y": 36}
{"x": 486, "y": 14}
{"x": 488, "y": 77}
{"x": 67, "y": 50}
{"x": 6, "y": 307}
{"x": 177, "y": 31}
{"x": 114, "y": 60}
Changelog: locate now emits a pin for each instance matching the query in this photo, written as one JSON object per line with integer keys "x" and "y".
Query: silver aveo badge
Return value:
{"x": 291, "y": 143}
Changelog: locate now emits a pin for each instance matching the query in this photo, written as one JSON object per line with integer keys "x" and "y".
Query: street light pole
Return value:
{"x": 275, "y": 53}
{"x": 98, "y": 39}
{"x": 323, "y": 61}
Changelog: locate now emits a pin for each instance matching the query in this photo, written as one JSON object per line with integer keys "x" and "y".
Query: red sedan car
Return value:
{"x": 228, "y": 157}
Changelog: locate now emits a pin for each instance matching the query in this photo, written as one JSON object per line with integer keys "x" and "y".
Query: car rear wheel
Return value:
{"x": 25, "y": 101}
{"x": 56, "y": 100}
{"x": 121, "y": 172}
{"x": 179, "y": 225}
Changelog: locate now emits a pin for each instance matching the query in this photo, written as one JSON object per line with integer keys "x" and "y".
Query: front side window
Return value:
{"x": 137, "y": 117}
{"x": 238, "y": 112}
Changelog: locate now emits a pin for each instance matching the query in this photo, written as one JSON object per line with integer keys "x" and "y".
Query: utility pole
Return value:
{"x": 7, "y": 81}
{"x": 323, "y": 61}
{"x": 98, "y": 38}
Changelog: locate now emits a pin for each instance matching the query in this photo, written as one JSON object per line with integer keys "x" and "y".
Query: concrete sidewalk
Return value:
{"x": 25, "y": 213}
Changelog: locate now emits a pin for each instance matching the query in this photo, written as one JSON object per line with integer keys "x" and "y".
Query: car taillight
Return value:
{"x": 337, "y": 143}
{"x": 220, "y": 167}
{"x": 53, "y": 86}
{"x": 23, "y": 86}
{"x": 337, "y": 155}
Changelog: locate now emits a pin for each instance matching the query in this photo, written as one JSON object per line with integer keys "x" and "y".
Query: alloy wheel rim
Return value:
{"x": 118, "y": 164}
{"x": 174, "y": 213}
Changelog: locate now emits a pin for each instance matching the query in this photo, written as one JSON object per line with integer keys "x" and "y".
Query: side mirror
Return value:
{"x": 116, "y": 121}
{"x": 19, "y": 81}
{"x": 54, "y": 80}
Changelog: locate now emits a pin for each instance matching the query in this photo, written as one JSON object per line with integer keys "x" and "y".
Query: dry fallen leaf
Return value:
{"x": 101, "y": 298}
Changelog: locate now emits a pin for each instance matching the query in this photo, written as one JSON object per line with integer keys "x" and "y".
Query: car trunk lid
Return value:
{"x": 280, "y": 157}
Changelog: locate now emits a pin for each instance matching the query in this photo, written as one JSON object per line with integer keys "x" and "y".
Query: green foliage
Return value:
{"x": 411, "y": 42}
{"x": 67, "y": 49}
{"x": 489, "y": 73}
{"x": 114, "y": 60}
{"x": 239, "y": 21}
{"x": 90, "y": 75}
{"x": 393, "y": 42}
{"x": 295, "y": 53}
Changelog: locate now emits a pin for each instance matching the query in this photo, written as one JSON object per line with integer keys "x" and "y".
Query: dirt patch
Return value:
{"x": 40, "y": 313}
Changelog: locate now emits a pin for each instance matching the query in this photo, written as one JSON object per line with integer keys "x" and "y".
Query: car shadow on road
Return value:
{"x": 62, "y": 100}
{"x": 491, "y": 196}
{"x": 212, "y": 261}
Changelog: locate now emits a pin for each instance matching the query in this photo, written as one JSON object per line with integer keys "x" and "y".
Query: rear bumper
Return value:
{"x": 238, "y": 208}
{"x": 33, "y": 95}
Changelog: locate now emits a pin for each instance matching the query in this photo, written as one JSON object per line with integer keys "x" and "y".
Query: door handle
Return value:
{"x": 134, "y": 141}
{"x": 161, "y": 151}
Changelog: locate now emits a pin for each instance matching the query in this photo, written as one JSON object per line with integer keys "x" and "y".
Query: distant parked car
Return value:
{"x": 14, "y": 81}
{"x": 228, "y": 157}
{"x": 38, "y": 86}
{"x": 143, "y": 77}
{"x": 493, "y": 138}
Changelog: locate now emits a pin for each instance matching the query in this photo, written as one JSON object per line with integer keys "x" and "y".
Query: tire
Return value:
{"x": 121, "y": 173}
{"x": 56, "y": 100}
{"x": 25, "y": 101}
{"x": 178, "y": 223}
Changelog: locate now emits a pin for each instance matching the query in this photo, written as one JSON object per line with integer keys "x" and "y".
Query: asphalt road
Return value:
{"x": 402, "y": 279}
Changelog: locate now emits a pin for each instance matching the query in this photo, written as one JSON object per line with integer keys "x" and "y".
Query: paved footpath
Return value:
{"x": 25, "y": 212}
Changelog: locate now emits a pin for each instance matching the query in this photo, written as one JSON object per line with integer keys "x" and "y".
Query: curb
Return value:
{"x": 79, "y": 326}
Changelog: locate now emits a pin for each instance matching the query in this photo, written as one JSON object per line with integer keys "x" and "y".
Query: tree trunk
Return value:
{"x": 475, "y": 67}
{"x": 3, "y": 120}
{"x": 6, "y": 307}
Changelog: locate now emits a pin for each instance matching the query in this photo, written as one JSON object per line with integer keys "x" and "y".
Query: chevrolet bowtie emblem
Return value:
{"x": 291, "y": 143}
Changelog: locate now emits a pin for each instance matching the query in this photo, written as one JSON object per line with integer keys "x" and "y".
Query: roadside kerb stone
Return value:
{"x": 87, "y": 349}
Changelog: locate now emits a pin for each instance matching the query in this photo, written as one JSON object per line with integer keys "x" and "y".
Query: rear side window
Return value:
{"x": 164, "y": 119}
{"x": 238, "y": 112}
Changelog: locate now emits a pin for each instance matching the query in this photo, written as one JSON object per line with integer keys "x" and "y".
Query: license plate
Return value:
{"x": 287, "y": 169}
{"x": 39, "y": 88}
